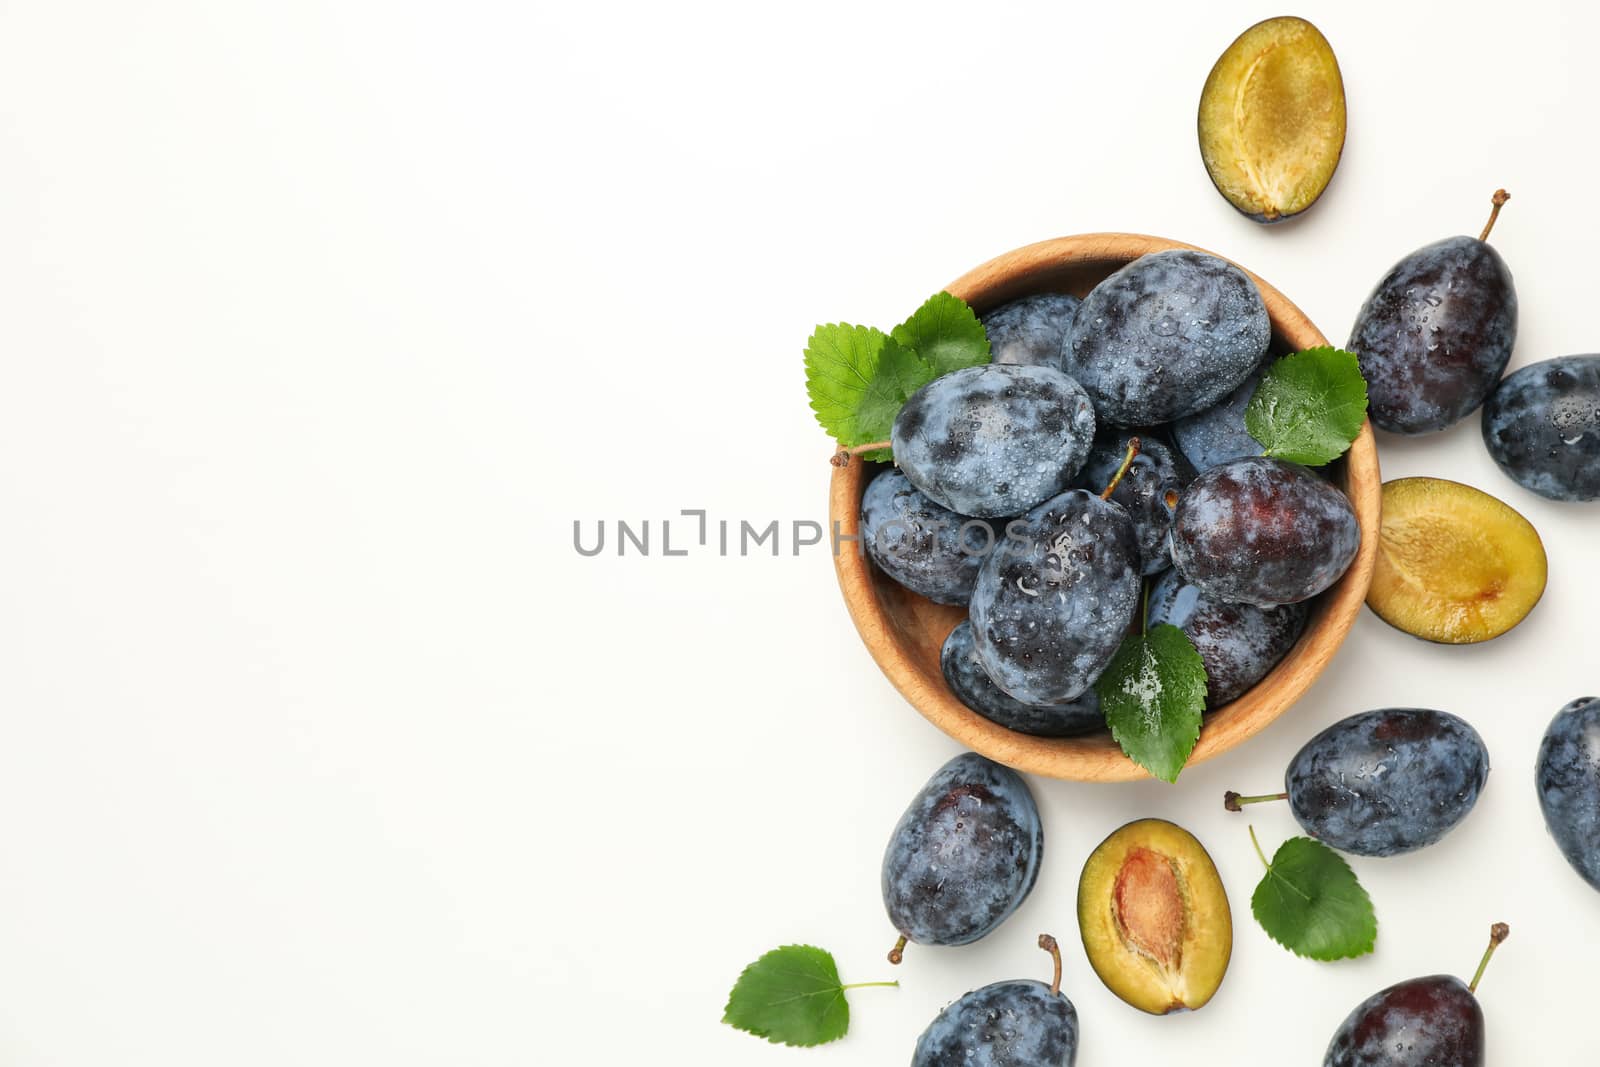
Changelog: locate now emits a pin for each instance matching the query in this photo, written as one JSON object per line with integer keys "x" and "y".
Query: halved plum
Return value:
{"x": 1455, "y": 565}
{"x": 1272, "y": 119}
{"x": 1155, "y": 919}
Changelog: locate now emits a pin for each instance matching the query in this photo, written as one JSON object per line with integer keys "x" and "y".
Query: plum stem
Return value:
{"x": 1499, "y": 201}
{"x": 1127, "y": 461}
{"x": 1048, "y": 943}
{"x": 1234, "y": 802}
{"x": 871, "y": 985}
{"x": 898, "y": 953}
{"x": 1497, "y": 935}
{"x": 841, "y": 458}
{"x": 1263, "y": 856}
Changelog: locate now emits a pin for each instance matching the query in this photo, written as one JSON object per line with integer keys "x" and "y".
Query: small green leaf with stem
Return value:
{"x": 1311, "y": 903}
{"x": 792, "y": 996}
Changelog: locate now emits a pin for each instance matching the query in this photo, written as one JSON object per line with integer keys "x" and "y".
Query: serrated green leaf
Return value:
{"x": 901, "y": 372}
{"x": 1311, "y": 903}
{"x": 840, "y": 362}
{"x": 858, "y": 378}
{"x": 1153, "y": 694}
{"x": 946, "y": 333}
{"x": 1309, "y": 406}
{"x": 790, "y": 996}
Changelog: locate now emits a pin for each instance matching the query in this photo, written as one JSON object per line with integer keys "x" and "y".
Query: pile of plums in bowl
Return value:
{"x": 992, "y": 574}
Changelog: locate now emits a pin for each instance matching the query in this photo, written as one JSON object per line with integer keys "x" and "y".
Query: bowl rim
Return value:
{"x": 1096, "y": 758}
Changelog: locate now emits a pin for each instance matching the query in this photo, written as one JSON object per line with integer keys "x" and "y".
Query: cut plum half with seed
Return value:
{"x": 1155, "y": 919}
{"x": 1272, "y": 119}
{"x": 1455, "y": 565}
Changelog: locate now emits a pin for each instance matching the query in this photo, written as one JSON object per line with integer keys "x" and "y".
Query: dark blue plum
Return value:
{"x": 1217, "y": 434}
{"x": 1386, "y": 782}
{"x": 1264, "y": 532}
{"x": 1055, "y": 597}
{"x": 995, "y": 440}
{"x": 963, "y": 673}
{"x": 926, "y": 548}
{"x": 964, "y": 855}
{"x": 1156, "y": 475}
{"x": 1030, "y": 332}
{"x": 1007, "y": 1024}
{"x": 1426, "y": 1022}
{"x": 1435, "y": 335}
{"x": 1166, "y": 336}
{"x": 1238, "y": 643}
{"x": 1542, "y": 425}
{"x": 1568, "y": 779}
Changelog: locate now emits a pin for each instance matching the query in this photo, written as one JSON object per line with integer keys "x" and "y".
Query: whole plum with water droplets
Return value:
{"x": 1542, "y": 426}
{"x": 1148, "y": 491}
{"x": 1436, "y": 333}
{"x": 1004, "y": 1024}
{"x": 964, "y": 674}
{"x": 928, "y": 549}
{"x": 1425, "y": 1022}
{"x": 1167, "y": 335}
{"x": 1262, "y": 531}
{"x": 964, "y": 855}
{"x": 1055, "y": 597}
{"x": 1030, "y": 331}
{"x": 1387, "y": 782}
{"x": 1238, "y": 643}
{"x": 1217, "y": 434}
{"x": 994, "y": 440}
{"x": 1568, "y": 780}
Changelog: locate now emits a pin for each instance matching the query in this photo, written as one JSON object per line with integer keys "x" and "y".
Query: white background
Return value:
{"x": 320, "y": 324}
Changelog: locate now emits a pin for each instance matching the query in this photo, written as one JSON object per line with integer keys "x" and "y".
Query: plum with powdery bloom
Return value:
{"x": 964, "y": 674}
{"x": 1568, "y": 782}
{"x": 1217, "y": 434}
{"x": 1030, "y": 331}
{"x": 1168, "y": 335}
{"x": 928, "y": 549}
{"x": 1387, "y": 782}
{"x": 1007, "y": 1024}
{"x": 1542, "y": 426}
{"x": 964, "y": 855}
{"x": 1055, "y": 597}
{"x": 995, "y": 440}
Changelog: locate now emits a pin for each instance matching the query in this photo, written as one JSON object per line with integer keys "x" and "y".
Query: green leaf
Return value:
{"x": 790, "y": 996}
{"x": 858, "y": 378}
{"x": 946, "y": 333}
{"x": 901, "y": 372}
{"x": 1311, "y": 903}
{"x": 1153, "y": 694}
{"x": 1309, "y": 406}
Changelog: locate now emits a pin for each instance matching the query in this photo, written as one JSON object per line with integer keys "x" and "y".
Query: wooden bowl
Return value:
{"x": 905, "y": 632}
